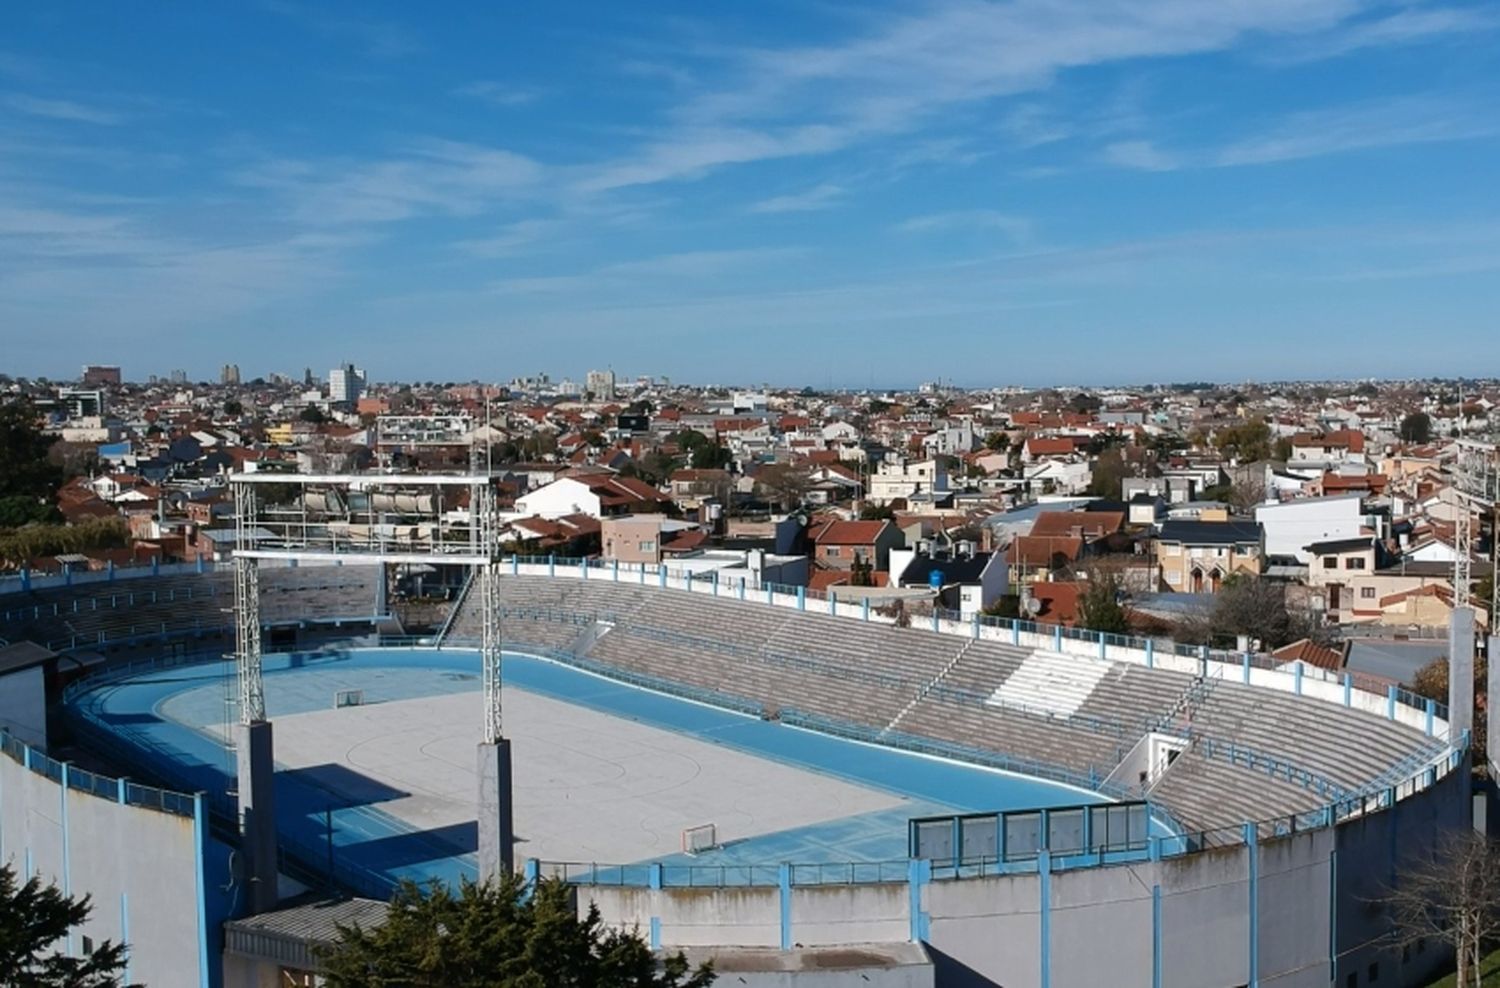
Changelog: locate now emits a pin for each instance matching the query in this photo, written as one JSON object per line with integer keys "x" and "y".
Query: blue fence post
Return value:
{"x": 1102, "y": 646}
{"x": 1254, "y": 867}
{"x": 784, "y": 883}
{"x": 1044, "y": 903}
{"x": 770, "y": 593}
{"x": 109, "y": 572}
{"x": 155, "y": 565}
{"x": 918, "y": 875}
{"x": 661, "y": 575}
{"x": 742, "y": 588}
{"x": 1297, "y": 677}
{"x": 934, "y": 619}
{"x": 551, "y": 565}
{"x": 200, "y": 564}
{"x": 1348, "y": 690}
{"x": 976, "y": 626}
{"x": 583, "y": 568}
{"x": 616, "y": 569}
{"x": 1245, "y": 668}
{"x": 25, "y": 577}
{"x": 1156, "y": 936}
{"x": 833, "y": 602}
{"x": 866, "y": 609}
{"x": 1150, "y": 654}
{"x": 1431, "y": 713}
{"x": 531, "y": 871}
{"x": 1057, "y": 638}
{"x": 714, "y": 577}
{"x": 120, "y": 793}
{"x": 515, "y": 565}
{"x": 1390, "y": 702}
{"x": 68, "y": 574}
{"x": 801, "y": 598}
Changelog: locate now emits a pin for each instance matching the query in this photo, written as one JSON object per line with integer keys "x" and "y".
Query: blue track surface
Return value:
{"x": 166, "y": 714}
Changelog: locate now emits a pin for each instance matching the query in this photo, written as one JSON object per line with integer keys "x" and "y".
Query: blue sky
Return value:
{"x": 1032, "y": 191}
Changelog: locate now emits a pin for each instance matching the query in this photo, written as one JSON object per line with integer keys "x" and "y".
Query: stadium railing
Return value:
{"x": 116, "y": 790}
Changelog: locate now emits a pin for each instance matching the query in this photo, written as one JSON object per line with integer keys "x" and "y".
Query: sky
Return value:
{"x": 826, "y": 194}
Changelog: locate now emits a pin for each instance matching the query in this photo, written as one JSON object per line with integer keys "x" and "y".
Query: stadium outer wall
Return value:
{"x": 1287, "y": 911}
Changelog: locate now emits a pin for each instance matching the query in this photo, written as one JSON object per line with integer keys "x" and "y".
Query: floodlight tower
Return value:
{"x": 254, "y": 754}
{"x": 1476, "y": 474}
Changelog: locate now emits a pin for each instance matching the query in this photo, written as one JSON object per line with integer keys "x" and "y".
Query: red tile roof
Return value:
{"x": 848, "y": 532}
{"x": 1310, "y": 653}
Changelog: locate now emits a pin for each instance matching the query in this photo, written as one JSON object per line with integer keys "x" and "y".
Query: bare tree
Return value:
{"x": 1450, "y": 894}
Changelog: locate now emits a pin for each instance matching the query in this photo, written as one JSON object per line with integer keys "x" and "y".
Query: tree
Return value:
{"x": 496, "y": 935}
{"x": 1256, "y": 608}
{"x": 1416, "y": 428}
{"x": 710, "y": 456}
{"x": 33, "y": 918}
{"x": 1109, "y": 474}
{"x": 312, "y": 414}
{"x": 233, "y": 409}
{"x": 1247, "y": 443}
{"x": 785, "y": 482}
{"x": 1431, "y": 681}
{"x": 28, "y": 478}
{"x": 1450, "y": 893}
{"x": 1099, "y": 607}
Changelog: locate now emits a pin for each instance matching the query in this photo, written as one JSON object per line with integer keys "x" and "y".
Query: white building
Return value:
{"x": 900, "y": 478}
{"x": 1293, "y": 525}
{"x": 601, "y": 384}
{"x": 345, "y": 384}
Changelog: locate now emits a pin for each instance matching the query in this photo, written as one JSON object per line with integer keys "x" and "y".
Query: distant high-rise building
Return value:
{"x": 230, "y": 374}
{"x": 601, "y": 383}
{"x": 177, "y": 377}
{"x": 100, "y": 375}
{"x": 82, "y": 402}
{"x": 345, "y": 384}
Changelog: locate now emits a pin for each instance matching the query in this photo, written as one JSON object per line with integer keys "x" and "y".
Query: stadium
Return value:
{"x": 802, "y": 787}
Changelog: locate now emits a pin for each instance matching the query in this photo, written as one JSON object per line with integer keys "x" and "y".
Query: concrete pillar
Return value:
{"x": 1492, "y": 709}
{"x": 257, "y": 767}
{"x": 497, "y": 835}
{"x": 1461, "y": 672}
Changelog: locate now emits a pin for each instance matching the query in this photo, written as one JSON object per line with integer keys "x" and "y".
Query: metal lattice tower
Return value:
{"x": 1476, "y": 475}
{"x": 251, "y": 693}
{"x": 483, "y": 508}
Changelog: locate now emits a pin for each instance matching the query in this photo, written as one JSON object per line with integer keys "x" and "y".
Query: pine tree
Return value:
{"x": 33, "y": 917}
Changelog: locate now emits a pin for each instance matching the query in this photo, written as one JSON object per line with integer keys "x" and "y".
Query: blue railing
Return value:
{"x": 117, "y": 790}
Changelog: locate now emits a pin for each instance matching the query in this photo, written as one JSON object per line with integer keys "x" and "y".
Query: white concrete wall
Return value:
{"x": 1291, "y": 526}
{"x": 138, "y": 865}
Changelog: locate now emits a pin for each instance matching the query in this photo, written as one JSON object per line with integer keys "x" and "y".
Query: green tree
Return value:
{"x": 1248, "y": 442}
{"x": 1109, "y": 474}
{"x": 1416, "y": 428}
{"x": 689, "y": 440}
{"x": 710, "y": 456}
{"x": 495, "y": 935}
{"x": 1099, "y": 607}
{"x": 28, "y": 478}
{"x": 313, "y": 414}
{"x": 233, "y": 408}
{"x": 33, "y": 918}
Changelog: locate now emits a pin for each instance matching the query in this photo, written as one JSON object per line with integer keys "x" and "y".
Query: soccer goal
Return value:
{"x": 348, "y": 698}
{"x": 696, "y": 840}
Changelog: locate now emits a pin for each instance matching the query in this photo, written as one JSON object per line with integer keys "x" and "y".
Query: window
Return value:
{"x": 832, "y": 552}
{"x": 648, "y": 545}
{"x": 1352, "y": 981}
{"x": 1354, "y": 562}
{"x": 1367, "y": 593}
{"x": 88, "y": 946}
{"x": 1374, "y": 974}
{"x": 1330, "y": 562}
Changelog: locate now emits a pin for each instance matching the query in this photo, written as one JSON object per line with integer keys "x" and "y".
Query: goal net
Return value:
{"x": 349, "y": 698}
{"x": 696, "y": 840}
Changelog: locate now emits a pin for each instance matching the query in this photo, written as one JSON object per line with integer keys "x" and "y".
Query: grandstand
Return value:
{"x": 1259, "y": 777}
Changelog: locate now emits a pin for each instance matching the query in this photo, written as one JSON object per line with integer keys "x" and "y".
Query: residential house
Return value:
{"x": 1198, "y": 556}
{"x": 597, "y": 495}
{"x": 838, "y": 544}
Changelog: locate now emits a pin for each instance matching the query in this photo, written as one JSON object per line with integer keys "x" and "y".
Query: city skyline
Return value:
{"x": 843, "y": 197}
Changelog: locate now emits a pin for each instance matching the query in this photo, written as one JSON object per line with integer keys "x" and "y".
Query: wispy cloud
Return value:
{"x": 896, "y": 77}
{"x": 1140, "y": 154}
{"x": 818, "y": 197}
{"x": 59, "y": 109}
{"x": 498, "y": 93}
{"x": 430, "y": 178}
{"x": 1015, "y": 227}
{"x": 377, "y": 38}
{"x": 1317, "y": 133}
{"x": 687, "y": 266}
{"x": 1409, "y": 26}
